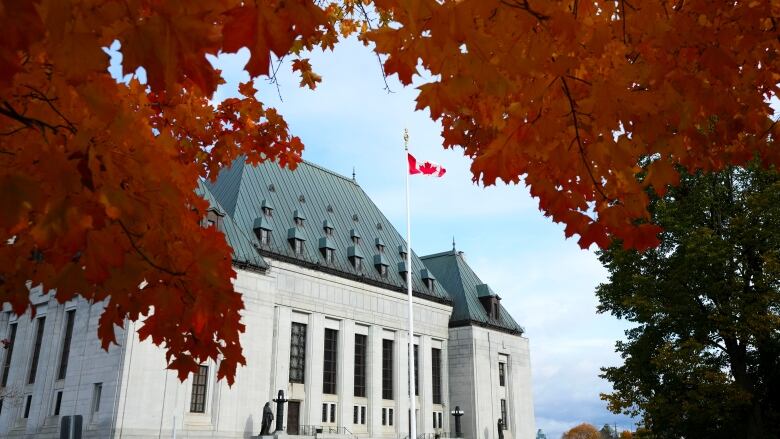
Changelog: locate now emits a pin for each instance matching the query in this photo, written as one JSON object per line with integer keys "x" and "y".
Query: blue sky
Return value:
{"x": 546, "y": 281}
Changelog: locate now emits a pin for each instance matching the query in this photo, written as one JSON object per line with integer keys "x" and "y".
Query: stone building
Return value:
{"x": 322, "y": 274}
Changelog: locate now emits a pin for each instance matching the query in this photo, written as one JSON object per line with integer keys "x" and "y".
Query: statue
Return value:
{"x": 268, "y": 417}
{"x": 500, "y": 428}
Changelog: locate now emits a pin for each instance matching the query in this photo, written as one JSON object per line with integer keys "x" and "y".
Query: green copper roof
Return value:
{"x": 464, "y": 286}
{"x": 244, "y": 252}
{"x": 318, "y": 195}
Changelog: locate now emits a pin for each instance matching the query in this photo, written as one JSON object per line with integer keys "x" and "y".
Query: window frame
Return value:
{"x": 198, "y": 400}
{"x": 360, "y": 366}
{"x": 436, "y": 392}
{"x": 388, "y": 353}
{"x": 330, "y": 362}
{"x": 40, "y": 327}
{"x": 67, "y": 339}
{"x": 298, "y": 354}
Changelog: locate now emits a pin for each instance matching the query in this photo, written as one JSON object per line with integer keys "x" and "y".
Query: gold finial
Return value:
{"x": 406, "y": 139}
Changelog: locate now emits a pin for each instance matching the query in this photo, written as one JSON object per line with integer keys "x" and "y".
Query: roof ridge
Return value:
{"x": 436, "y": 255}
{"x": 336, "y": 174}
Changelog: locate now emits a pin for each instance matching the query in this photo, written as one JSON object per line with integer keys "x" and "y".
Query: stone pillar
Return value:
{"x": 374, "y": 381}
{"x": 425, "y": 423}
{"x": 315, "y": 355}
{"x": 280, "y": 355}
{"x": 346, "y": 373}
{"x": 401, "y": 382}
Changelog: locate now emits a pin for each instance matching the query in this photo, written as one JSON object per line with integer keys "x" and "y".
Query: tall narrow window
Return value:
{"x": 265, "y": 237}
{"x": 387, "y": 369}
{"x": 71, "y": 316}
{"x": 329, "y": 367}
{"x": 502, "y": 374}
{"x": 8, "y": 354}
{"x": 416, "y": 371}
{"x": 297, "y": 352}
{"x": 41, "y": 323}
{"x": 27, "y": 404}
{"x": 199, "y": 385}
{"x": 96, "y": 394}
{"x": 57, "y": 403}
{"x": 436, "y": 375}
{"x": 504, "y": 419}
{"x": 360, "y": 365}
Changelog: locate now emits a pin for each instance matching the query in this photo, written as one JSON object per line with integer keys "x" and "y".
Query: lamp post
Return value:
{"x": 280, "y": 400}
{"x": 457, "y": 413}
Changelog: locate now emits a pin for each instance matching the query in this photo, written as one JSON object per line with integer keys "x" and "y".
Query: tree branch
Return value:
{"x": 143, "y": 256}
{"x": 573, "y": 106}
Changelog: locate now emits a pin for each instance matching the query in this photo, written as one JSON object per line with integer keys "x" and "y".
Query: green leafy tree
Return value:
{"x": 704, "y": 357}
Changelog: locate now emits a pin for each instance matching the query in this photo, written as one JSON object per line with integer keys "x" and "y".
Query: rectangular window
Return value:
{"x": 501, "y": 374}
{"x": 363, "y": 415}
{"x": 360, "y": 364}
{"x": 297, "y": 352}
{"x": 63, "y": 370}
{"x": 1, "y": 406}
{"x": 387, "y": 416}
{"x": 387, "y": 369}
{"x": 265, "y": 237}
{"x": 503, "y": 414}
{"x": 199, "y": 385}
{"x": 96, "y": 394}
{"x": 416, "y": 371}
{"x": 356, "y": 415}
{"x": 27, "y": 404}
{"x": 8, "y": 354}
{"x": 57, "y": 403}
{"x": 40, "y": 324}
{"x": 329, "y": 412}
{"x": 436, "y": 375}
{"x": 330, "y": 365}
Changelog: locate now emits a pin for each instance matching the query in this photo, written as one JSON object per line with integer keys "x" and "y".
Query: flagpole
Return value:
{"x": 412, "y": 396}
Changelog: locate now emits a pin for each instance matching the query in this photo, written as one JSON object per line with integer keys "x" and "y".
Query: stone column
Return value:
{"x": 315, "y": 355}
{"x": 346, "y": 372}
{"x": 374, "y": 380}
{"x": 280, "y": 355}
{"x": 425, "y": 423}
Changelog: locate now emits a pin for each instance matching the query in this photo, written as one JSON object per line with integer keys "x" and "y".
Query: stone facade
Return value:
{"x": 290, "y": 297}
{"x": 139, "y": 398}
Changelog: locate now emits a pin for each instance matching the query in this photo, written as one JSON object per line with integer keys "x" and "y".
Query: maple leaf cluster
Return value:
{"x": 594, "y": 105}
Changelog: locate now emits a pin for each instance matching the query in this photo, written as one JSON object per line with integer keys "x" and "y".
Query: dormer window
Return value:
{"x": 327, "y": 249}
{"x": 355, "y": 257}
{"x": 355, "y": 236}
{"x": 265, "y": 237}
{"x": 296, "y": 239}
{"x": 262, "y": 228}
{"x": 381, "y": 264}
{"x": 298, "y": 218}
{"x": 428, "y": 279}
{"x": 213, "y": 219}
{"x": 267, "y": 208}
{"x": 380, "y": 245}
{"x": 402, "y": 252}
{"x": 490, "y": 301}
{"x": 327, "y": 227}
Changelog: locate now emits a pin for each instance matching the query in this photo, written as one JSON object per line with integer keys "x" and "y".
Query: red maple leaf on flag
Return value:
{"x": 428, "y": 168}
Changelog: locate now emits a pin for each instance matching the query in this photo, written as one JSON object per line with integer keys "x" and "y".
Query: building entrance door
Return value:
{"x": 293, "y": 417}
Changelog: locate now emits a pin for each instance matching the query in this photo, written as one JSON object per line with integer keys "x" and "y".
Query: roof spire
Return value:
{"x": 353, "y": 174}
{"x": 453, "y": 243}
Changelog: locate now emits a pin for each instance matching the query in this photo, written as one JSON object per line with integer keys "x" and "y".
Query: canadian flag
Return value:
{"x": 424, "y": 168}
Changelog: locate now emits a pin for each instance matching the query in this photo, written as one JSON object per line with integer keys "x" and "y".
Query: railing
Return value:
{"x": 437, "y": 435}
{"x": 313, "y": 430}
